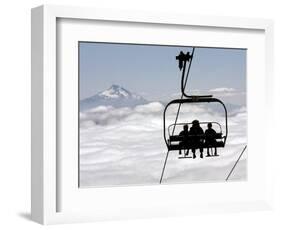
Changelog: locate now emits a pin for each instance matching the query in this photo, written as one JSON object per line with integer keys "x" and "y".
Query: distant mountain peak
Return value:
{"x": 115, "y": 95}
{"x": 115, "y": 91}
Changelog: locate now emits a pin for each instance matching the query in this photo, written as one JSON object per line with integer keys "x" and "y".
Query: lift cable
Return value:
{"x": 183, "y": 86}
{"x": 236, "y": 163}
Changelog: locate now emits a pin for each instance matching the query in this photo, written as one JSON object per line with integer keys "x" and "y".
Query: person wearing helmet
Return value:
{"x": 196, "y": 137}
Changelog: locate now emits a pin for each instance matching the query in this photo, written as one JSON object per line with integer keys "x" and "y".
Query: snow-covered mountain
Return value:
{"x": 115, "y": 96}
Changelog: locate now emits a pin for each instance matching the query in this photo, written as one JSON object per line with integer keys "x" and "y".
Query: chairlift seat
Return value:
{"x": 176, "y": 138}
{"x": 189, "y": 145}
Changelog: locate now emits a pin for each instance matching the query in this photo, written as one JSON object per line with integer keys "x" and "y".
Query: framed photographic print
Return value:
{"x": 148, "y": 115}
{"x": 123, "y": 118}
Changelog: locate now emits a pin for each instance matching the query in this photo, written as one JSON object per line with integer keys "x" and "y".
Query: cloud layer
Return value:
{"x": 123, "y": 146}
{"x": 228, "y": 95}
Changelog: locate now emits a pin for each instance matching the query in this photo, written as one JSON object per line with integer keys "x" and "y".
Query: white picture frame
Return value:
{"x": 56, "y": 199}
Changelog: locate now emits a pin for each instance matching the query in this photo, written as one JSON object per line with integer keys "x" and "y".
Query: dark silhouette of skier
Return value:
{"x": 196, "y": 137}
{"x": 210, "y": 140}
{"x": 184, "y": 142}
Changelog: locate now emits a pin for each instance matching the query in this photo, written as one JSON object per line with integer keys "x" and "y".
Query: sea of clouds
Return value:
{"x": 125, "y": 146}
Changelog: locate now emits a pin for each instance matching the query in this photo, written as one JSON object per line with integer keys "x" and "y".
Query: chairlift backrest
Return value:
{"x": 203, "y": 124}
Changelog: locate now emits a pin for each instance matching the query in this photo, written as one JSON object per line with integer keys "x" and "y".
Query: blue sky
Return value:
{"x": 153, "y": 72}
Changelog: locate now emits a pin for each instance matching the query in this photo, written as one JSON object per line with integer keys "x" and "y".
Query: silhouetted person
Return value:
{"x": 210, "y": 134}
{"x": 196, "y": 137}
{"x": 184, "y": 142}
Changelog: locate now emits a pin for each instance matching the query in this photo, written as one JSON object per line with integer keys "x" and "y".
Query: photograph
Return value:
{"x": 161, "y": 114}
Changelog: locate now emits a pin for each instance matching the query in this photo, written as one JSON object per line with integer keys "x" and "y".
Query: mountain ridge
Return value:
{"x": 115, "y": 96}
